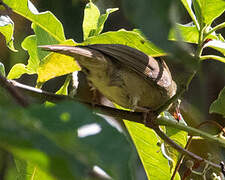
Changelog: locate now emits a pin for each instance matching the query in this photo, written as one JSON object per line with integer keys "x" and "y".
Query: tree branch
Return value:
{"x": 119, "y": 114}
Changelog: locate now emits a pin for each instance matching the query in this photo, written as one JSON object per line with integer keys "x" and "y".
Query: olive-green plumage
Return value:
{"x": 123, "y": 74}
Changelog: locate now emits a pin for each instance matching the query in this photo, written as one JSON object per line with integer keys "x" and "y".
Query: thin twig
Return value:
{"x": 117, "y": 113}
{"x": 189, "y": 142}
{"x": 162, "y": 135}
{"x": 20, "y": 99}
{"x": 120, "y": 114}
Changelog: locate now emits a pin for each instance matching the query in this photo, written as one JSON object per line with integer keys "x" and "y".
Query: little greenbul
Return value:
{"x": 125, "y": 75}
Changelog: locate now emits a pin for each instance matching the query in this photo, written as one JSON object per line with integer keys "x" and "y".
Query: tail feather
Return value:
{"x": 74, "y": 51}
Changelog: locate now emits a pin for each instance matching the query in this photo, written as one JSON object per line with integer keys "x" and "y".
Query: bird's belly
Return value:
{"x": 128, "y": 90}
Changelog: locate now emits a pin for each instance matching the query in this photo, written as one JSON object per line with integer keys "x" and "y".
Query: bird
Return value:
{"x": 123, "y": 74}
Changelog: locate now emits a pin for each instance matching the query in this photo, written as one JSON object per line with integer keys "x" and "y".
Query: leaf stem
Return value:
{"x": 218, "y": 58}
{"x": 220, "y": 26}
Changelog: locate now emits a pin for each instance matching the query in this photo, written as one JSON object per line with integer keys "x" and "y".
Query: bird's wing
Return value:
{"x": 154, "y": 71}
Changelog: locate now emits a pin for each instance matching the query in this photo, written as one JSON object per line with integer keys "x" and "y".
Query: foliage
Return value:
{"x": 46, "y": 140}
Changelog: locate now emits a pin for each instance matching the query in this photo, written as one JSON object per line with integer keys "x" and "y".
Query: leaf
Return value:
{"x": 64, "y": 89}
{"x": 2, "y": 69}
{"x": 93, "y": 22}
{"x": 17, "y": 70}
{"x": 218, "y": 106}
{"x": 29, "y": 44}
{"x": 6, "y": 28}
{"x": 52, "y": 64}
{"x": 90, "y": 22}
{"x": 65, "y": 141}
{"x": 27, "y": 170}
{"x": 187, "y": 4}
{"x": 147, "y": 144}
{"x": 46, "y": 20}
{"x": 48, "y": 30}
{"x": 56, "y": 64}
{"x": 103, "y": 18}
{"x": 187, "y": 33}
{"x": 217, "y": 45}
{"x": 207, "y": 10}
{"x": 130, "y": 38}
{"x": 179, "y": 137}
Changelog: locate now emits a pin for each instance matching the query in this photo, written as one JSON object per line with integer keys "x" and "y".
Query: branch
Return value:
{"x": 163, "y": 136}
{"x": 119, "y": 114}
{"x": 13, "y": 91}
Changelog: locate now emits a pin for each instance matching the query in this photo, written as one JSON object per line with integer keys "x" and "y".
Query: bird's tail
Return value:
{"x": 78, "y": 52}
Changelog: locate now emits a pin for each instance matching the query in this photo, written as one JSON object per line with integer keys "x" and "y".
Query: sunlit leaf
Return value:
{"x": 187, "y": 4}
{"x": 55, "y": 64}
{"x": 29, "y": 44}
{"x": 217, "y": 45}
{"x": 46, "y": 20}
{"x": 148, "y": 146}
{"x": 2, "y": 69}
{"x": 90, "y": 22}
{"x": 207, "y": 10}
{"x": 27, "y": 170}
{"x": 218, "y": 106}
{"x": 17, "y": 70}
{"x": 179, "y": 137}
{"x": 64, "y": 89}
{"x": 7, "y": 28}
{"x": 93, "y": 22}
{"x": 102, "y": 19}
{"x": 187, "y": 33}
{"x": 130, "y": 38}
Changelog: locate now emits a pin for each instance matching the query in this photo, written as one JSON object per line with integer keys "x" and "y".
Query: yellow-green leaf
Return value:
{"x": 46, "y": 20}
{"x": 55, "y": 64}
{"x": 130, "y": 38}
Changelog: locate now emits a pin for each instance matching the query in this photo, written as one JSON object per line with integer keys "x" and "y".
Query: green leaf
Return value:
{"x": 187, "y": 4}
{"x": 64, "y": 89}
{"x": 218, "y": 106}
{"x": 147, "y": 144}
{"x": 217, "y": 45}
{"x": 55, "y": 64}
{"x": 90, "y": 22}
{"x": 93, "y": 22}
{"x": 102, "y": 19}
{"x": 17, "y": 70}
{"x": 187, "y": 33}
{"x": 48, "y": 30}
{"x": 46, "y": 20}
{"x": 130, "y": 38}
{"x": 46, "y": 65}
{"x": 2, "y": 69}
{"x": 27, "y": 170}
{"x": 179, "y": 137}
{"x": 7, "y": 28}
{"x": 29, "y": 44}
{"x": 64, "y": 141}
{"x": 207, "y": 10}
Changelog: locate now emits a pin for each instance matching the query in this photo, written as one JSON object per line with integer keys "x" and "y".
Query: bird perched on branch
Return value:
{"x": 125, "y": 75}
